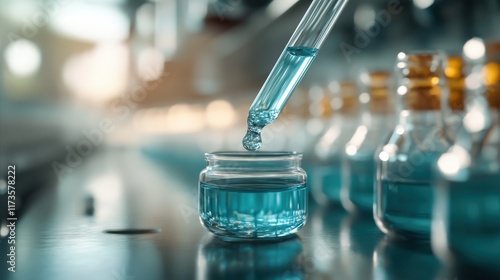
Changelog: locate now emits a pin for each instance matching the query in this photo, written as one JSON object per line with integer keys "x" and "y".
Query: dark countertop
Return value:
{"x": 62, "y": 233}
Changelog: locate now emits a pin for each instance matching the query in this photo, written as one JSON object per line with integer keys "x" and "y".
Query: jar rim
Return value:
{"x": 254, "y": 156}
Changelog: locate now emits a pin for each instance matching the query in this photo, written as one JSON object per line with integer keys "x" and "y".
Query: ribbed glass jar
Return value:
{"x": 261, "y": 195}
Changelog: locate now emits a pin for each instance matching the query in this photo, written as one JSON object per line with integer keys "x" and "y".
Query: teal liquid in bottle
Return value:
{"x": 466, "y": 218}
{"x": 328, "y": 180}
{"x": 405, "y": 161}
{"x": 406, "y": 201}
{"x": 328, "y": 155}
{"x": 359, "y": 176}
{"x": 377, "y": 121}
{"x": 472, "y": 219}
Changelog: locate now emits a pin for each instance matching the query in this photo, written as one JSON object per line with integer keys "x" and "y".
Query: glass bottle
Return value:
{"x": 329, "y": 150}
{"x": 377, "y": 120}
{"x": 318, "y": 119}
{"x": 466, "y": 220}
{"x": 403, "y": 189}
{"x": 259, "y": 195}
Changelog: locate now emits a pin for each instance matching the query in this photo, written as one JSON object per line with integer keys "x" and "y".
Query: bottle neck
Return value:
{"x": 377, "y": 111}
{"x": 454, "y": 99}
{"x": 421, "y": 105}
{"x": 420, "y": 87}
{"x": 345, "y": 109}
{"x": 370, "y": 118}
{"x": 425, "y": 118}
{"x": 425, "y": 98}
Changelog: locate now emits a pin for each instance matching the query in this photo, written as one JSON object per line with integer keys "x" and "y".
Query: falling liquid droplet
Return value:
{"x": 252, "y": 141}
{"x": 257, "y": 119}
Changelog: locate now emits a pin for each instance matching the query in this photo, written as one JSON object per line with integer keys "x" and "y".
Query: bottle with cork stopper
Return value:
{"x": 403, "y": 189}
{"x": 466, "y": 228}
{"x": 328, "y": 152}
{"x": 376, "y": 121}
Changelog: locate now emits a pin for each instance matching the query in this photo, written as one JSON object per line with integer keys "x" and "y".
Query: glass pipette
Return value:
{"x": 291, "y": 67}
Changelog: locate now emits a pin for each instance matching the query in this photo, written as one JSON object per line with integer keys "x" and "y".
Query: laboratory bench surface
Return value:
{"x": 123, "y": 215}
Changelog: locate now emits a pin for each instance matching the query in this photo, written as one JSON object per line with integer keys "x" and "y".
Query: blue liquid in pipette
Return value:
{"x": 285, "y": 76}
{"x": 249, "y": 211}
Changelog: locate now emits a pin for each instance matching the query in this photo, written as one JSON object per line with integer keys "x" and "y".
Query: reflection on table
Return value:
{"x": 58, "y": 239}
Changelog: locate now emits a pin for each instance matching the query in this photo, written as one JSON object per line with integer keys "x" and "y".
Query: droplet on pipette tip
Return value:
{"x": 257, "y": 119}
{"x": 252, "y": 141}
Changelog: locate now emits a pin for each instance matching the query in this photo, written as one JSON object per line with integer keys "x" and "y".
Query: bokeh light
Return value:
{"x": 150, "y": 64}
{"x": 91, "y": 22}
{"x": 364, "y": 17}
{"x": 98, "y": 75}
{"x": 23, "y": 57}
{"x": 423, "y": 4}
{"x": 220, "y": 114}
{"x": 474, "y": 49}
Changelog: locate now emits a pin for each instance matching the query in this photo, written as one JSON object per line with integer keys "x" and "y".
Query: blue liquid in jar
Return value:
{"x": 407, "y": 207}
{"x": 472, "y": 219}
{"x": 359, "y": 180}
{"x": 282, "y": 81}
{"x": 243, "y": 210}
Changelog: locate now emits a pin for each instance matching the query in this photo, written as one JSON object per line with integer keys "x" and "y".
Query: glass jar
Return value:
{"x": 259, "y": 195}
{"x": 403, "y": 189}
{"x": 466, "y": 220}
{"x": 377, "y": 121}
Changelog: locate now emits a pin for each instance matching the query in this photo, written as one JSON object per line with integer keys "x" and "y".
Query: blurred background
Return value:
{"x": 175, "y": 78}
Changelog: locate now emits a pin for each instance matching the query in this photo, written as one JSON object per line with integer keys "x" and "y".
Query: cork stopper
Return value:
{"x": 378, "y": 86}
{"x": 420, "y": 80}
{"x": 493, "y": 51}
{"x": 455, "y": 81}
{"x": 349, "y": 96}
{"x": 326, "y": 106}
{"x": 491, "y": 72}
